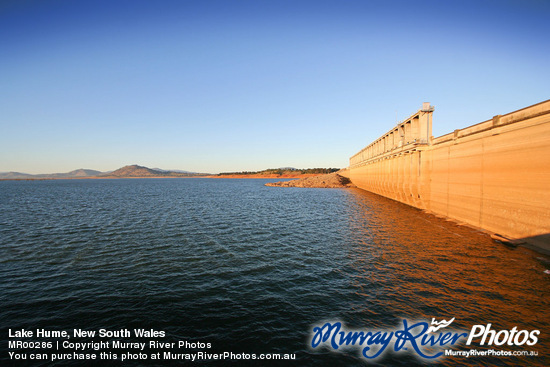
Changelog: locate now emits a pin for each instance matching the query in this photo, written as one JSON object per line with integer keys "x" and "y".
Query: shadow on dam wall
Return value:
{"x": 493, "y": 176}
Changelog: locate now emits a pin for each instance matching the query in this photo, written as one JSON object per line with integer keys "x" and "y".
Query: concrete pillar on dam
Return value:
{"x": 425, "y": 121}
{"x": 392, "y": 166}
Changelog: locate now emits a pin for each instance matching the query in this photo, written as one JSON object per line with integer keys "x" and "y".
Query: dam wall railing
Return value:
{"x": 494, "y": 175}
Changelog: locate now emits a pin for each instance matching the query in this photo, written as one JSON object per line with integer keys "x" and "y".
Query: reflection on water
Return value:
{"x": 405, "y": 263}
{"x": 252, "y": 268}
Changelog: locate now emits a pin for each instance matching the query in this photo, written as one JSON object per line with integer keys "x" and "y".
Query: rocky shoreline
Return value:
{"x": 328, "y": 181}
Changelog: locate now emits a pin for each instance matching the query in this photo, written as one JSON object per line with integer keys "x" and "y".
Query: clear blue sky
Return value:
{"x": 215, "y": 86}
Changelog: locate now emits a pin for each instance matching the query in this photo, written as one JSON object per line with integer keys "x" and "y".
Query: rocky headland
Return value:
{"x": 328, "y": 181}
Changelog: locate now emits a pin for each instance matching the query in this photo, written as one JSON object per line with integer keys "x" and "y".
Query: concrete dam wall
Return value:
{"x": 494, "y": 175}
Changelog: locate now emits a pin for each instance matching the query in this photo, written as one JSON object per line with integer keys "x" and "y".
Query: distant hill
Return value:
{"x": 135, "y": 171}
{"x": 140, "y": 171}
{"x": 83, "y": 173}
{"x": 76, "y": 173}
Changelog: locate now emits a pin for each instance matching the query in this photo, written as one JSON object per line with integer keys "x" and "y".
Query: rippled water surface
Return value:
{"x": 252, "y": 268}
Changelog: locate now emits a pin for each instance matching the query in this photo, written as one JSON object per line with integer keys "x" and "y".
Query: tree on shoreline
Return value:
{"x": 282, "y": 171}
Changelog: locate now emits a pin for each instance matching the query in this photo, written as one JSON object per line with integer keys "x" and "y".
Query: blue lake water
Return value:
{"x": 253, "y": 269}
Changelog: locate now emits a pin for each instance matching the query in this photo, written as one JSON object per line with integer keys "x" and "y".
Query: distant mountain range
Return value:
{"x": 73, "y": 174}
{"x": 134, "y": 171}
{"x": 127, "y": 171}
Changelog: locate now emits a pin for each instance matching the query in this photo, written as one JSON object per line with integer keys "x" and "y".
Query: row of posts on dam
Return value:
{"x": 494, "y": 175}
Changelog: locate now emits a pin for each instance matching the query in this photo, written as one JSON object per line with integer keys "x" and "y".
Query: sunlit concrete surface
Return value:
{"x": 494, "y": 175}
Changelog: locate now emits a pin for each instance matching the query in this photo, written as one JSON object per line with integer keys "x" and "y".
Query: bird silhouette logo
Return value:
{"x": 439, "y": 325}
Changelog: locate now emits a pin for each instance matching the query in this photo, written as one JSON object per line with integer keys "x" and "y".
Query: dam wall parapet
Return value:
{"x": 494, "y": 175}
